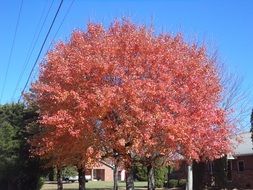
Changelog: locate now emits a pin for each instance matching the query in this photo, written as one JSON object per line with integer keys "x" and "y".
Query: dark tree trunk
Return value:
{"x": 130, "y": 178}
{"x": 81, "y": 178}
{"x": 51, "y": 174}
{"x": 151, "y": 177}
{"x": 115, "y": 177}
{"x": 11, "y": 185}
{"x": 59, "y": 179}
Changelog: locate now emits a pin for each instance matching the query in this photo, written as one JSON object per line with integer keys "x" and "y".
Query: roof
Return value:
{"x": 244, "y": 146}
{"x": 106, "y": 164}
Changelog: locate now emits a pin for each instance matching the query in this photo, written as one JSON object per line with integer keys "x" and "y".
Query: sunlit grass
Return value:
{"x": 101, "y": 185}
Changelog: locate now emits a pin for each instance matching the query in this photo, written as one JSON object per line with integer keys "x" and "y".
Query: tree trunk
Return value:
{"x": 115, "y": 177}
{"x": 59, "y": 179}
{"x": 11, "y": 185}
{"x": 130, "y": 178}
{"x": 189, "y": 179}
{"x": 81, "y": 178}
{"x": 151, "y": 177}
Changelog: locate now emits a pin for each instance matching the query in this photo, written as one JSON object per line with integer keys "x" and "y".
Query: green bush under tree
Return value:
{"x": 160, "y": 174}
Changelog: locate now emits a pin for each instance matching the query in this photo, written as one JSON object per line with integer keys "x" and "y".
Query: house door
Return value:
{"x": 119, "y": 176}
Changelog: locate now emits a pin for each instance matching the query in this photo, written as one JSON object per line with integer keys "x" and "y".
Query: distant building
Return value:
{"x": 240, "y": 165}
{"x": 104, "y": 172}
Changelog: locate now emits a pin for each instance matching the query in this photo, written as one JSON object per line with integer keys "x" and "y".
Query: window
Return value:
{"x": 99, "y": 174}
{"x": 240, "y": 165}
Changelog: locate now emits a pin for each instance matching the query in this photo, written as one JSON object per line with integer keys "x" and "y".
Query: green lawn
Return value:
{"x": 93, "y": 185}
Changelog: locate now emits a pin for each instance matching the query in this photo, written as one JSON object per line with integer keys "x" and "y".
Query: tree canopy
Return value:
{"x": 140, "y": 91}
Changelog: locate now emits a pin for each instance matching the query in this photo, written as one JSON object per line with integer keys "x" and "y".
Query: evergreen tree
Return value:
{"x": 18, "y": 171}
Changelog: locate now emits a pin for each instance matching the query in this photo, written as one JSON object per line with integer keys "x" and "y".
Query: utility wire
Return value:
{"x": 57, "y": 31}
{"x": 30, "y": 74}
{"x": 32, "y": 46}
{"x": 11, "y": 52}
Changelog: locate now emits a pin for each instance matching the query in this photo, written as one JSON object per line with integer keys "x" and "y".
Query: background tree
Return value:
{"x": 235, "y": 101}
{"x": 65, "y": 151}
{"x": 235, "y": 98}
{"x": 18, "y": 171}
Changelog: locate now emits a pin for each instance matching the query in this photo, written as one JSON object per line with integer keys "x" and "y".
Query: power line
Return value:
{"x": 11, "y": 52}
{"x": 32, "y": 46}
{"x": 56, "y": 14}
{"x": 57, "y": 31}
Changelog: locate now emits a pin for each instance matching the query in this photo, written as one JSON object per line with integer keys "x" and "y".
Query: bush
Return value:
{"x": 182, "y": 182}
{"x": 160, "y": 174}
{"x": 140, "y": 173}
{"x": 177, "y": 183}
{"x": 69, "y": 171}
{"x": 173, "y": 183}
{"x": 40, "y": 183}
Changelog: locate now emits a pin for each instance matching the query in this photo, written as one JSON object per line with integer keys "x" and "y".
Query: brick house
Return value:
{"x": 104, "y": 172}
{"x": 240, "y": 165}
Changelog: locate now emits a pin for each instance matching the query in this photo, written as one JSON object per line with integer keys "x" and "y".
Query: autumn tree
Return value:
{"x": 206, "y": 123}
{"x": 63, "y": 150}
{"x": 147, "y": 94}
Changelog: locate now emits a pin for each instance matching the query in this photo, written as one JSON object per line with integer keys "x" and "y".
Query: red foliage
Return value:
{"x": 140, "y": 92}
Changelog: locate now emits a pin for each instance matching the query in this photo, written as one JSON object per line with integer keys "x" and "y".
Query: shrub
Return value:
{"x": 177, "y": 183}
{"x": 160, "y": 174}
{"x": 40, "y": 183}
{"x": 140, "y": 173}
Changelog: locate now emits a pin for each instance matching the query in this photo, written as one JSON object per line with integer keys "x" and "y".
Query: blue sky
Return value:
{"x": 226, "y": 26}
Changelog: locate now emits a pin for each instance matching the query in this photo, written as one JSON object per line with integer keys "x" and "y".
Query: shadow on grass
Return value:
{"x": 90, "y": 189}
{"x": 92, "y": 185}
{"x": 138, "y": 188}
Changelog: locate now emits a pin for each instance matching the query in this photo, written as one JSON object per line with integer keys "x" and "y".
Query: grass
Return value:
{"x": 94, "y": 185}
